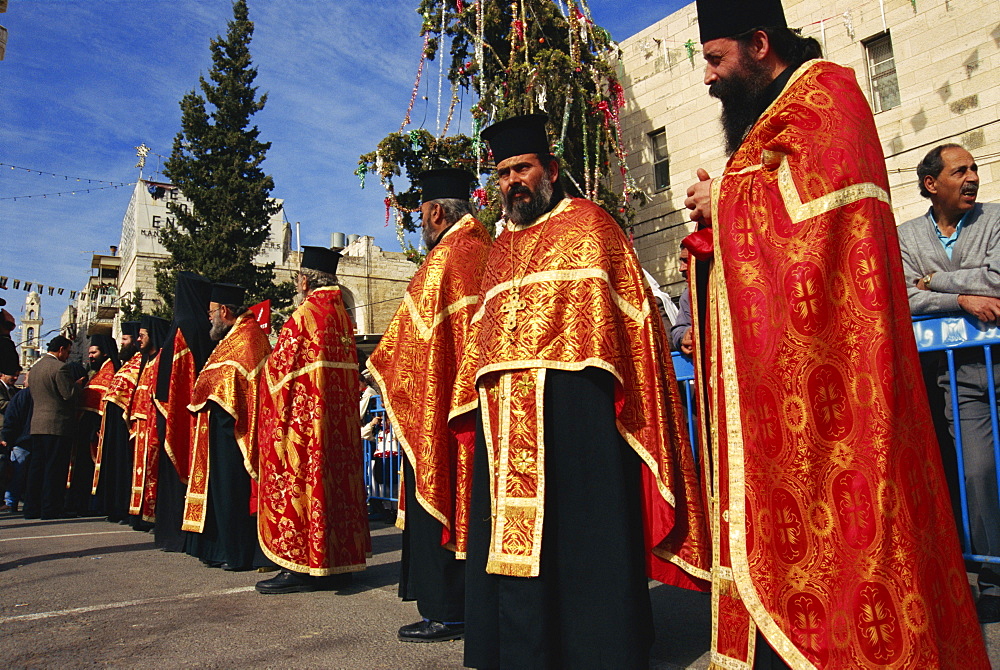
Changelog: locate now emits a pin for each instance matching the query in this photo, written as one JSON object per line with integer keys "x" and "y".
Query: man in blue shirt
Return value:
{"x": 951, "y": 261}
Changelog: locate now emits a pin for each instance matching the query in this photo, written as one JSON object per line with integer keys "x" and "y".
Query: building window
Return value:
{"x": 882, "y": 73}
{"x": 31, "y": 337}
{"x": 661, "y": 160}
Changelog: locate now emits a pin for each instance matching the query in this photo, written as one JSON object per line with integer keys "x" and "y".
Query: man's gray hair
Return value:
{"x": 318, "y": 279}
{"x": 932, "y": 164}
{"x": 454, "y": 209}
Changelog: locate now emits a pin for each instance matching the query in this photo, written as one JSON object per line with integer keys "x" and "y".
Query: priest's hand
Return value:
{"x": 699, "y": 199}
{"x": 982, "y": 307}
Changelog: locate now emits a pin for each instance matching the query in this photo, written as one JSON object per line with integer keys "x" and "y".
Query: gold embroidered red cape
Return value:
{"x": 120, "y": 391}
{"x": 567, "y": 293}
{"x": 95, "y": 388}
{"x": 230, "y": 380}
{"x": 92, "y": 399}
{"x": 146, "y": 449}
{"x": 832, "y": 527}
{"x": 416, "y": 364}
{"x": 312, "y": 516}
{"x": 179, "y": 433}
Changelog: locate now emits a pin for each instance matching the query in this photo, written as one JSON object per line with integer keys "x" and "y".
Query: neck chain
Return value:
{"x": 514, "y": 303}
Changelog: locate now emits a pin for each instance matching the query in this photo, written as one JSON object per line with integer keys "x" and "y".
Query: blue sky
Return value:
{"x": 84, "y": 82}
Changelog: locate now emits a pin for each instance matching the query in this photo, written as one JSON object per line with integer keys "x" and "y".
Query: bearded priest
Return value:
{"x": 312, "y": 519}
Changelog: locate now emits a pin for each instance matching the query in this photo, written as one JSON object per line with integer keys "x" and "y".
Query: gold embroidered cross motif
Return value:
{"x": 513, "y": 305}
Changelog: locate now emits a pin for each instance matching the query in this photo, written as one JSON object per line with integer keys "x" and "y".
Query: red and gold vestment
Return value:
{"x": 92, "y": 398}
{"x": 179, "y": 420}
{"x": 146, "y": 445}
{"x": 230, "y": 380}
{"x": 831, "y": 522}
{"x": 571, "y": 290}
{"x": 312, "y": 516}
{"x": 416, "y": 364}
{"x": 120, "y": 391}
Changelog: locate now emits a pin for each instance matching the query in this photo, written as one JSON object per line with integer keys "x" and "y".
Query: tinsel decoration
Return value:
{"x": 361, "y": 172}
{"x": 479, "y": 195}
{"x": 416, "y": 84}
{"x": 690, "y": 45}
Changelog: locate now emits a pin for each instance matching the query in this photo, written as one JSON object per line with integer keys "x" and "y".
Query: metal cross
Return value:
{"x": 513, "y": 305}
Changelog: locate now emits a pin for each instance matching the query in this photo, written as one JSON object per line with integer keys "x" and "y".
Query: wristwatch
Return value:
{"x": 926, "y": 279}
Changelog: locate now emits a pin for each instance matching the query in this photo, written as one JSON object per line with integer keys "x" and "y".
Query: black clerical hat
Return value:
{"x": 451, "y": 183}
{"x": 130, "y": 328}
{"x": 321, "y": 259}
{"x": 728, "y": 18}
{"x": 517, "y": 135}
{"x": 227, "y": 294}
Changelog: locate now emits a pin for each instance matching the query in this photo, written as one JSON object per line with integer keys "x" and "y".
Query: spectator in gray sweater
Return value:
{"x": 951, "y": 262}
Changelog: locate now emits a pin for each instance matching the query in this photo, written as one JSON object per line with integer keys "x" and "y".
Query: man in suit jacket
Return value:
{"x": 951, "y": 262}
{"x": 53, "y": 422}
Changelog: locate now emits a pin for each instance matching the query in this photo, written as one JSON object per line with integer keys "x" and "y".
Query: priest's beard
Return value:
{"x": 526, "y": 211}
{"x": 148, "y": 351}
{"x": 96, "y": 363}
{"x": 127, "y": 351}
{"x": 298, "y": 298}
{"x": 219, "y": 329}
{"x": 744, "y": 98}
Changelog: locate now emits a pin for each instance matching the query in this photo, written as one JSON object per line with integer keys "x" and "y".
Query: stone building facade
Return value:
{"x": 930, "y": 69}
{"x": 140, "y": 246}
{"x": 31, "y": 330}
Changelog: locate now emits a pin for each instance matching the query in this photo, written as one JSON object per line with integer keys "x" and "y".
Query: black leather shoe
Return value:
{"x": 287, "y": 582}
{"x": 431, "y": 631}
{"x": 212, "y": 564}
{"x": 988, "y": 609}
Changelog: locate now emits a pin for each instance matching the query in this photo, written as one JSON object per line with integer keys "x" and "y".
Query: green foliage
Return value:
{"x": 520, "y": 57}
{"x": 216, "y": 162}
{"x": 131, "y": 307}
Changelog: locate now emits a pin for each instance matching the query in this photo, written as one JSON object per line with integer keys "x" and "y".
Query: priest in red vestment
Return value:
{"x": 835, "y": 544}
{"x": 103, "y": 357}
{"x": 142, "y": 425}
{"x": 584, "y": 480}
{"x": 224, "y": 449}
{"x": 415, "y": 366}
{"x": 113, "y": 464}
{"x": 185, "y": 351}
{"x": 312, "y": 518}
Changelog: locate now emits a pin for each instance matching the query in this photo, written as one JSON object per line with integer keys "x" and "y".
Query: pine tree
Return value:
{"x": 216, "y": 162}
{"x": 518, "y": 57}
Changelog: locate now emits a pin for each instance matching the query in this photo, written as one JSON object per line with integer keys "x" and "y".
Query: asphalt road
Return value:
{"x": 84, "y": 592}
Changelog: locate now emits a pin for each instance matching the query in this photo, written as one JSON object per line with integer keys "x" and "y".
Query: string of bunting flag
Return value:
{"x": 17, "y": 285}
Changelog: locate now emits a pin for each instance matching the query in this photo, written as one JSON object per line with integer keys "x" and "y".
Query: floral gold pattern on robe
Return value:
{"x": 121, "y": 390}
{"x": 179, "y": 433}
{"x": 230, "y": 380}
{"x": 312, "y": 516}
{"x": 573, "y": 291}
{"x": 833, "y": 532}
{"x": 416, "y": 363}
{"x": 146, "y": 449}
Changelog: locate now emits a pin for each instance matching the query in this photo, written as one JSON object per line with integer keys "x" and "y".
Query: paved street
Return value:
{"x": 85, "y": 592}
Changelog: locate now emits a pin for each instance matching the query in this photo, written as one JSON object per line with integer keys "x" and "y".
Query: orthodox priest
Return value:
{"x": 185, "y": 351}
{"x": 415, "y": 366}
{"x": 145, "y": 435}
{"x": 113, "y": 464}
{"x": 224, "y": 451}
{"x": 312, "y": 518}
{"x": 583, "y": 478}
{"x": 102, "y": 355}
{"x": 835, "y": 544}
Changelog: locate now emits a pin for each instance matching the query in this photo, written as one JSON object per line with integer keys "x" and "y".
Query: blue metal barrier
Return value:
{"x": 382, "y": 460}
{"x": 951, "y": 333}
